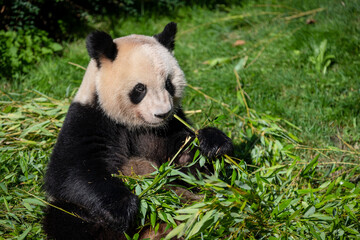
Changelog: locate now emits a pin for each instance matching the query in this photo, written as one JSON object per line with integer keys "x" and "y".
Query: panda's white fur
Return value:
{"x": 141, "y": 59}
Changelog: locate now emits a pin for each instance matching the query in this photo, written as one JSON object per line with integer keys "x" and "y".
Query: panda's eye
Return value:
{"x": 137, "y": 93}
{"x": 140, "y": 87}
{"x": 169, "y": 86}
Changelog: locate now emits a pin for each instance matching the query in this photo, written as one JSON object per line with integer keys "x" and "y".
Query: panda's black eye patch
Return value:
{"x": 169, "y": 86}
{"x": 137, "y": 93}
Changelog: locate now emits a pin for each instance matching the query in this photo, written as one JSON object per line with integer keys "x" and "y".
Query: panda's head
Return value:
{"x": 136, "y": 78}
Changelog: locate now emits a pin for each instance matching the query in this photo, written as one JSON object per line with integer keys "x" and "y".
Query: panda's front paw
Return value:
{"x": 214, "y": 143}
{"x": 120, "y": 215}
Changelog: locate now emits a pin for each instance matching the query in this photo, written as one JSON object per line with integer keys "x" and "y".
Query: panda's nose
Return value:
{"x": 162, "y": 115}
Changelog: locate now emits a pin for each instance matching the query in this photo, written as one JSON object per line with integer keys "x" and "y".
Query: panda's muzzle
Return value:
{"x": 163, "y": 115}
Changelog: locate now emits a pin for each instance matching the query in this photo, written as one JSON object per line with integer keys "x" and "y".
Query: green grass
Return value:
{"x": 286, "y": 76}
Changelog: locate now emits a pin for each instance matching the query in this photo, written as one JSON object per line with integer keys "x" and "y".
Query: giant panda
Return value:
{"x": 121, "y": 118}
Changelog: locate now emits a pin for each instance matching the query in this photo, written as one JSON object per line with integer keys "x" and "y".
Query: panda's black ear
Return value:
{"x": 167, "y": 36}
{"x": 101, "y": 45}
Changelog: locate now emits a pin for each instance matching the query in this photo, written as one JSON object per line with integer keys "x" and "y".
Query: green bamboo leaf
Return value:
{"x": 176, "y": 231}
{"x": 294, "y": 215}
{"x": 330, "y": 188}
{"x": 182, "y": 217}
{"x": 314, "y": 233}
{"x": 241, "y": 64}
{"x": 321, "y": 217}
{"x": 310, "y": 211}
{"x": 138, "y": 190}
{"x": 350, "y": 230}
{"x": 306, "y": 191}
{"x": 272, "y": 170}
{"x": 197, "y": 153}
{"x": 188, "y": 210}
{"x": 311, "y": 165}
{"x": 202, "y": 161}
{"x": 240, "y": 99}
{"x": 162, "y": 216}
{"x": 27, "y": 206}
{"x": 13, "y": 116}
{"x": 170, "y": 218}
{"x": 136, "y": 236}
{"x": 199, "y": 226}
{"x": 243, "y": 186}
{"x": 325, "y": 185}
{"x": 6, "y": 204}
{"x": 153, "y": 219}
{"x": 284, "y": 204}
{"x": 4, "y": 187}
{"x": 24, "y": 234}
{"x": 350, "y": 211}
{"x": 350, "y": 196}
{"x": 233, "y": 177}
{"x": 347, "y": 184}
{"x": 127, "y": 236}
{"x": 55, "y": 47}
{"x": 34, "y": 128}
{"x": 218, "y": 61}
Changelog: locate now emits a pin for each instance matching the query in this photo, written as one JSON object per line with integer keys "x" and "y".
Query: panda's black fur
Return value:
{"x": 92, "y": 146}
{"x": 167, "y": 37}
{"x": 100, "y": 43}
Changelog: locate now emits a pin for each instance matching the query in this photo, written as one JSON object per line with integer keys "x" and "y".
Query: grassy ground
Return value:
{"x": 297, "y": 61}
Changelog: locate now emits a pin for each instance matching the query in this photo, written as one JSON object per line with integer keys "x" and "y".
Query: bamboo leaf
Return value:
{"x": 24, "y": 234}
{"x": 176, "y": 231}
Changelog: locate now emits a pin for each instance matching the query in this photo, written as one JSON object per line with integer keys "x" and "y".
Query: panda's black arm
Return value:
{"x": 77, "y": 172}
{"x": 105, "y": 198}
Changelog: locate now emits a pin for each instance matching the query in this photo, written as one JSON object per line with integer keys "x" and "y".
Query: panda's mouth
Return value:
{"x": 158, "y": 123}
{"x": 152, "y": 124}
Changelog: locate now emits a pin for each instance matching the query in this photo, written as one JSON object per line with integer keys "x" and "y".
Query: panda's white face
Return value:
{"x": 142, "y": 86}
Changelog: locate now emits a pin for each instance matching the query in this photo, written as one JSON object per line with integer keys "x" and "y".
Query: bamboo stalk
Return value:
{"x": 77, "y": 65}
{"x": 51, "y": 205}
{"x": 302, "y": 14}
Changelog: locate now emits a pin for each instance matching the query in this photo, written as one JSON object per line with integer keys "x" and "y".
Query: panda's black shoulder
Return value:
{"x": 86, "y": 127}
{"x": 82, "y": 120}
